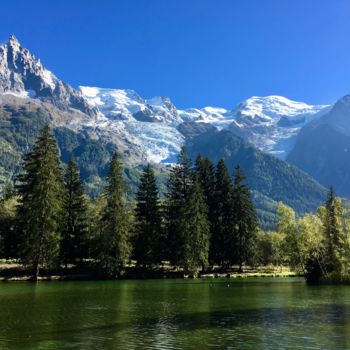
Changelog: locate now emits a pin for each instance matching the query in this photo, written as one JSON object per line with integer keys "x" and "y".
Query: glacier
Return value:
{"x": 271, "y": 123}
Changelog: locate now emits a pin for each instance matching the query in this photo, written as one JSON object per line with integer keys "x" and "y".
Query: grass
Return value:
{"x": 11, "y": 270}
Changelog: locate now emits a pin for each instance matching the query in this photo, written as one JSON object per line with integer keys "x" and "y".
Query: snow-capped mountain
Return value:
{"x": 271, "y": 123}
{"x": 128, "y": 105}
{"x": 90, "y": 123}
{"x": 148, "y": 129}
{"x": 22, "y": 75}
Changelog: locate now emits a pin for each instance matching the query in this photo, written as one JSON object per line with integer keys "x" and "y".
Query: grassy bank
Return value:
{"x": 14, "y": 271}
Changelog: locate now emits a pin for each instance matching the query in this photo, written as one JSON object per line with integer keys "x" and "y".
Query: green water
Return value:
{"x": 174, "y": 314}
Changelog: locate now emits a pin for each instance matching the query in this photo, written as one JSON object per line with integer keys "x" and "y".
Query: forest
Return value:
{"x": 207, "y": 220}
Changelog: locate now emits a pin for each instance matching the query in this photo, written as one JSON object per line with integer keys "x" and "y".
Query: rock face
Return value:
{"x": 23, "y": 75}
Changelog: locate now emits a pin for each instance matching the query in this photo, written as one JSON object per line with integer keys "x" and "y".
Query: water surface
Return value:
{"x": 174, "y": 314}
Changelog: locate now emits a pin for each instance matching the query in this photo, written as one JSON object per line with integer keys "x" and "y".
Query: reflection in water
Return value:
{"x": 174, "y": 314}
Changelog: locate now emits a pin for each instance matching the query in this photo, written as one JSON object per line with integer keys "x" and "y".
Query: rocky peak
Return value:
{"x": 23, "y": 75}
{"x": 13, "y": 42}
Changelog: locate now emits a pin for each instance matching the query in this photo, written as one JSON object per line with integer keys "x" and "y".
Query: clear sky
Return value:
{"x": 197, "y": 52}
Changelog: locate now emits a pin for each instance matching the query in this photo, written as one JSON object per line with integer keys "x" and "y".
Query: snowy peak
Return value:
{"x": 128, "y": 105}
{"x": 274, "y": 107}
{"x": 22, "y": 75}
{"x": 271, "y": 123}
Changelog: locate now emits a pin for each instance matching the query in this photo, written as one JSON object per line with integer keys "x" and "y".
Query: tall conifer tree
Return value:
{"x": 149, "y": 242}
{"x": 115, "y": 248}
{"x": 179, "y": 185}
{"x": 245, "y": 221}
{"x": 335, "y": 239}
{"x": 222, "y": 215}
{"x": 195, "y": 231}
{"x": 73, "y": 244}
{"x": 204, "y": 169}
{"x": 42, "y": 199}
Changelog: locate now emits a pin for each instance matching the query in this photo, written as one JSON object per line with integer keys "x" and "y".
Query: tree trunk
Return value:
{"x": 240, "y": 269}
{"x": 36, "y": 271}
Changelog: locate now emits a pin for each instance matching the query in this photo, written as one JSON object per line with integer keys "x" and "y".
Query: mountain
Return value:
{"x": 91, "y": 123}
{"x": 22, "y": 75}
{"x": 149, "y": 127}
{"x": 322, "y": 148}
{"x": 128, "y": 105}
{"x": 272, "y": 123}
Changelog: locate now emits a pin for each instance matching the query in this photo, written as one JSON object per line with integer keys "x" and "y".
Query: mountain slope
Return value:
{"x": 267, "y": 175}
{"x": 322, "y": 148}
{"x": 271, "y": 123}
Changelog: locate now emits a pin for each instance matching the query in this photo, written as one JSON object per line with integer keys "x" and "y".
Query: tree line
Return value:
{"x": 207, "y": 217}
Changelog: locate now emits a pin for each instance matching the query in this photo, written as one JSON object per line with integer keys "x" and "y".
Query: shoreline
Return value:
{"x": 13, "y": 272}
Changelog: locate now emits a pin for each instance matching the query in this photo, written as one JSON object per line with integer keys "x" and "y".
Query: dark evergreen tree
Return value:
{"x": 336, "y": 242}
{"x": 149, "y": 240}
{"x": 179, "y": 185}
{"x": 204, "y": 169}
{"x": 222, "y": 216}
{"x": 195, "y": 231}
{"x": 73, "y": 244}
{"x": 114, "y": 249}
{"x": 245, "y": 221}
{"x": 42, "y": 199}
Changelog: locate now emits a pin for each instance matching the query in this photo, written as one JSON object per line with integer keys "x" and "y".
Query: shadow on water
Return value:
{"x": 177, "y": 316}
{"x": 322, "y": 316}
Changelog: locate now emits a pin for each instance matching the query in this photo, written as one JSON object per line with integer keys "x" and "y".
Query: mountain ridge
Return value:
{"x": 144, "y": 130}
{"x": 270, "y": 123}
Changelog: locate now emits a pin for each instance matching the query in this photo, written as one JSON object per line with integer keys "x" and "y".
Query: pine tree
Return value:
{"x": 42, "y": 199}
{"x": 335, "y": 239}
{"x": 222, "y": 216}
{"x": 205, "y": 171}
{"x": 115, "y": 248}
{"x": 179, "y": 185}
{"x": 195, "y": 231}
{"x": 73, "y": 244}
{"x": 149, "y": 242}
{"x": 245, "y": 221}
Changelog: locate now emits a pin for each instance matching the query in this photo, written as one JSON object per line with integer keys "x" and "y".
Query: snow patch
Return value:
{"x": 49, "y": 78}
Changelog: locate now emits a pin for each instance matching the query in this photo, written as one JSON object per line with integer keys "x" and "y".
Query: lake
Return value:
{"x": 265, "y": 313}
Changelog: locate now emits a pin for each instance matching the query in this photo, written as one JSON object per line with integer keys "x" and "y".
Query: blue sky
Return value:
{"x": 197, "y": 52}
